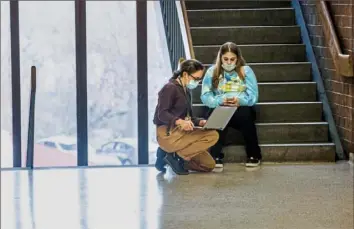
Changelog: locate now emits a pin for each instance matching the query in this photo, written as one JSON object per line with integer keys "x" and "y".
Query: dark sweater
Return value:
{"x": 173, "y": 104}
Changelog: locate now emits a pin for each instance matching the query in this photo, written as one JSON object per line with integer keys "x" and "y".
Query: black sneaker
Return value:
{"x": 219, "y": 163}
{"x": 253, "y": 162}
{"x": 175, "y": 164}
{"x": 160, "y": 163}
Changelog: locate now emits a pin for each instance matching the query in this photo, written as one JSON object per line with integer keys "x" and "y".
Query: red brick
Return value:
{"x": 342, "y": 21}
{"x": 339, "y": 89}
{"x": 345, "y": 32}
{"x": 347, "y": 44}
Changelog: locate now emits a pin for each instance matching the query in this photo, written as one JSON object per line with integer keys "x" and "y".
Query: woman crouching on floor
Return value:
{"x": 186, "y": 147}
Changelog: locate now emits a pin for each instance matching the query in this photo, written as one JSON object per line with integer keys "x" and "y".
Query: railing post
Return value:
{"x": 81, "y": 82}
{"x": 30, "y": 137}
{"x": 142, "y": 78}
{"x": 16, "y": 83}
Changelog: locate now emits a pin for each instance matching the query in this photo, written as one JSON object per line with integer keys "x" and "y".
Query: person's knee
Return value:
{"x": 247, "y": 114}
{"x": 209, "y": 166}
{"x": 213, "y": 137}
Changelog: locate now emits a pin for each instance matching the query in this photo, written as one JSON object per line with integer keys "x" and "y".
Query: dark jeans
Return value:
{"x": 244, "y": 121}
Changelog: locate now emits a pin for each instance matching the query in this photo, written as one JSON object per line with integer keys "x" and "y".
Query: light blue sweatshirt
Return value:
{"x": 230, "y": 85}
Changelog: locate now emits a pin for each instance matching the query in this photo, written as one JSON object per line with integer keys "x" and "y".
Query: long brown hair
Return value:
{"x": 228, "y": 47}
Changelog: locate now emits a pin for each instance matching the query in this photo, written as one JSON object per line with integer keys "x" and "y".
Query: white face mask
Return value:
{"x": 228, "y": 67}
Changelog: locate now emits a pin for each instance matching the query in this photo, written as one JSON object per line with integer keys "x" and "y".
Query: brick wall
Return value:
{"x": 340, "y": 90}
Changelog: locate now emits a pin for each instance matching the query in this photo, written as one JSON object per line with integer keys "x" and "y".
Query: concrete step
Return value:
{"x": 283, "y": 133}
{"x": 246, "y": 35}
{"x": 278, "y": 112}
{"x": 281, "y": 72}
{"x": 190, "y": 5}
{"x": 241, "y": 17}
{"x": 278, "y": 92}
{"x": 257, "y": 53}
{"x": 315, "y": 152}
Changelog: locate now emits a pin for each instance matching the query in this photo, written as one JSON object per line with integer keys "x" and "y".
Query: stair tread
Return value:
{"x": 246, "y": 45}
{"x": 280, "y": 63}
{"x": 255, "y": 53}
{"x": 247, "y": 26}
{"x": 273, "y": 103}
{"x": 285, "y": 152}
{"x": 273, "y": 63}
{"x": 283, "y": 83}
{"x": 294, "y": 144}
{"x": 290, "y": 123}
{"x": 236, "y": 9}
{"x": 236, "y": 4}
{"x": 278, "y": 112}
{"x": 286, "y": 83}
{"x": 277, "y": 91}
{"x": 279, "y": 71}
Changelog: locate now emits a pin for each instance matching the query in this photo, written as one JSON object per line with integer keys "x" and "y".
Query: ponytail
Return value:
{"x": 178, "y": 72}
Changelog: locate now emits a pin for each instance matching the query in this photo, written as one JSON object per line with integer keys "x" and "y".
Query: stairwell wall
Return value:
{"x": 339, "y": 89}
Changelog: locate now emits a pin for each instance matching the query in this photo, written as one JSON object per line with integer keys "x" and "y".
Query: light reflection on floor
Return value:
{"x": 275, "y": 196}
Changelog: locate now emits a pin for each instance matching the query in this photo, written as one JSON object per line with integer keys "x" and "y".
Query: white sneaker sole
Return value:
{"x": 252, "y": 164}
{"x": 218, "y": 170}
{"x": 219, "y": 166}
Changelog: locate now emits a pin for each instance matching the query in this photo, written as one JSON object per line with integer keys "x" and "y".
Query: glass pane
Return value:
{"x": 6, "y": 102}
{"x": 112, "y": 80}
{"x": 159, "y": 67}
{"x": 47, "y": 41}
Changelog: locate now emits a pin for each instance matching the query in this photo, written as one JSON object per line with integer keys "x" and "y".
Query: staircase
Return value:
{"x": 290, "y": 124}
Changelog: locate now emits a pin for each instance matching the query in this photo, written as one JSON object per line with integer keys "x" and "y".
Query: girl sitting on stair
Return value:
{"x": 230, "y": 82}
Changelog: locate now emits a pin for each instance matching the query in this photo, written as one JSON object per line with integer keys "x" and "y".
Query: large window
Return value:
{"x": 112, "y": 81}
{"x": 6, "y": 106}
{"x": 159, "y": 67}
{"x": 47, "y": 41}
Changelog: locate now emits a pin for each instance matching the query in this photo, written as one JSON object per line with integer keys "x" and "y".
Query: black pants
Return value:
{"x": 244, "y": 121}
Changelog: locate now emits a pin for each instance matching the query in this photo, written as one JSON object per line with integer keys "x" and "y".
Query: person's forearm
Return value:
{"x": 212, "y": 101}
{"x": 166, "y": 117}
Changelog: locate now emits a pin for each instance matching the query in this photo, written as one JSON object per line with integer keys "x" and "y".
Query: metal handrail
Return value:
{"x": 188, "y": 30}
{"x": 30, "y": 137}
{"x": 173, "y": 32}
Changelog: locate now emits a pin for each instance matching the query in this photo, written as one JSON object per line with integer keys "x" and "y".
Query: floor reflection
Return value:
{"x": 151, "y": 200}
{"x": 83, "y": 193}
{"x": 31, "y": 203}
{"x": 307, "y": 196}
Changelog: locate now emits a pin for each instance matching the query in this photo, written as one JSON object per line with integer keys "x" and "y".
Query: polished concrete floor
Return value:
{"x": 274, "y": 196}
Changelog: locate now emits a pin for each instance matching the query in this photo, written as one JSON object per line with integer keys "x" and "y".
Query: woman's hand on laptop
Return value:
{"x": 185, "y": 125}
{"x": 202, "y": 122}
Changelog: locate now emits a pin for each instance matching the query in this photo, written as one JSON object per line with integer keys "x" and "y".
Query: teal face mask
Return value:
{"x": 192, "y": 84}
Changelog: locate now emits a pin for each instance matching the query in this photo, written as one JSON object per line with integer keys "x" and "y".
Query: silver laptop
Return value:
{"x": 219, "y": 118}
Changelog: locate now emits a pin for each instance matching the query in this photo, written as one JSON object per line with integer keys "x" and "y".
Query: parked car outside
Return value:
{"x": 126, "y": 149}
{"x": 68, "y": 144}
